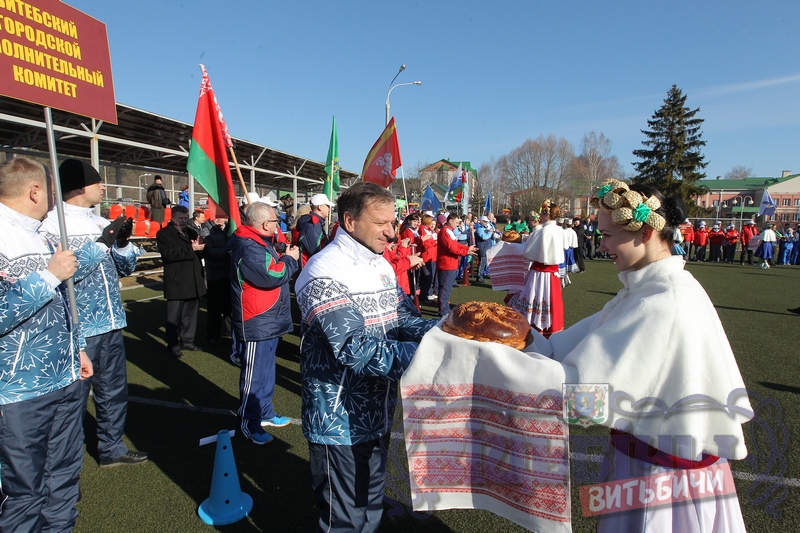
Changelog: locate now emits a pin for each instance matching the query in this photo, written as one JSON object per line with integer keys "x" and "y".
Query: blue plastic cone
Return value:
{"x": 227, "y": 503}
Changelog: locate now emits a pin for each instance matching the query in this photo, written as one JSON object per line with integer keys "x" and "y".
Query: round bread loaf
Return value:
{"x": 488, "y": 322}
{"x": 512, "y": 236}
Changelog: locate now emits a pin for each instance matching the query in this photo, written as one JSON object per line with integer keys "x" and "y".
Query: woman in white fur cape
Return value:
{"x": 677, "y": 399}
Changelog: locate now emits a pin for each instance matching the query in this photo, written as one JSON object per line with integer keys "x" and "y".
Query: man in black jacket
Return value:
{"x": 183, "y": 280}
{"x": 576, "y": 227}
{"x": 218, "y": 279}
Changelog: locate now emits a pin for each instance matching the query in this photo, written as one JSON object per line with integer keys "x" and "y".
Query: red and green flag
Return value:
{"x": 332, "y": 165}
{"x": 384, "y": 159}
{"x": 208, "y": 158}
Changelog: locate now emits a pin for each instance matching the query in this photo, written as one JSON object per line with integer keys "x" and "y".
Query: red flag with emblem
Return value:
{"x": 383, "y": 160}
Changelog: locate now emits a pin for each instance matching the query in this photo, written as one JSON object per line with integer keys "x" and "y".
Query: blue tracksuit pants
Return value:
{"x": 348, "y": 484}
{"x": 41, "y": 454}
{"x": 110, "y": 383}
{"x": 256, "y": 383}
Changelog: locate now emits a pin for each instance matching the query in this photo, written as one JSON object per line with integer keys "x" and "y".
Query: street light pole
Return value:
{"x": 392, "y": 88}
{"x": 741, "y": 211}
{"x": 388, "y": 107}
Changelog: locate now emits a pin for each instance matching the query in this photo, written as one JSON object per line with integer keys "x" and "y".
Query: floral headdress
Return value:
{"x": 628, "y": 208}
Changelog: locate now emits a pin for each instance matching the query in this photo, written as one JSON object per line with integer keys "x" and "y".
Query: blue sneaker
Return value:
{"x": 276, "y": 421}
{"x": 261, "y": 438}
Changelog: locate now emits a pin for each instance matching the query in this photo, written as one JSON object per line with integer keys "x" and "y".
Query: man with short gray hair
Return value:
{"x": 260, "y": 314}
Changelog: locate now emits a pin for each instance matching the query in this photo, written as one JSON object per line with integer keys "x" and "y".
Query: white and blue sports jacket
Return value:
{"x": 359, "y": 334}
{"x": 39, "y": 348}
{"x": 100, "y": 308}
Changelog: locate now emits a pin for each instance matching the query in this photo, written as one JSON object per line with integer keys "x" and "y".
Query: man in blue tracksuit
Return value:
{"x": 260, "y": 314}
{"x": 360, "y": 333}
{"x": 42, "y": 359}
{"x": 101, "y": 314}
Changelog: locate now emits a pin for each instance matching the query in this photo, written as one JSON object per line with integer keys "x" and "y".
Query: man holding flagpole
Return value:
{"x": 41, "y": 407}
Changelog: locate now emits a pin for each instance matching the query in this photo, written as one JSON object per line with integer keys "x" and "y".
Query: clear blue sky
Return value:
{"x": 493, "y": 73}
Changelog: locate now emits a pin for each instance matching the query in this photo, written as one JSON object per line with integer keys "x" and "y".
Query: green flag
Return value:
{"x": 332, "y": 165}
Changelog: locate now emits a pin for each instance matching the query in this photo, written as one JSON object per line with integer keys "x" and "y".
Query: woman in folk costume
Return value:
{"x": 677, "y": 400}
{"x": 766, "y": 249}
{"x": 540, "y": 300}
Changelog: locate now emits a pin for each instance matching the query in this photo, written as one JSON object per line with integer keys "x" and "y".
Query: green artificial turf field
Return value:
{"x": 175, "y": 403}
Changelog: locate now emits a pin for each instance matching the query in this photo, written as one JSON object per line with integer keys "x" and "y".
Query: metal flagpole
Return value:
{"x": 405, "y": 194}
{"x": 62, "y": 223}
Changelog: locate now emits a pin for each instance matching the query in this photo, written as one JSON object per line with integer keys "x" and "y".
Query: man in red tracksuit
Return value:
{"x": 748, "y": 232}
{"x": 687, "y": 231}
{"x": 715, "y": 240}
{"x": 700, "y": 242}
{"x": 450, "y": 251}
{"x": 729, "y": 245}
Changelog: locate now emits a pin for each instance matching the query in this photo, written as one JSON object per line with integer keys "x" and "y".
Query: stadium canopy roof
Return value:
{"x": 145, "y": 140}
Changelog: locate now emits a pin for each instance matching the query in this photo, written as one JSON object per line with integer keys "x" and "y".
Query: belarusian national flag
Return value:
{"x": 383, "y": 160}
{"x": 208, "y": 160}
{"x": 332, "y": 165}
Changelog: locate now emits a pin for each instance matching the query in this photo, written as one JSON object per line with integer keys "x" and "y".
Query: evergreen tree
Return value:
{"x": 672, "y": 161}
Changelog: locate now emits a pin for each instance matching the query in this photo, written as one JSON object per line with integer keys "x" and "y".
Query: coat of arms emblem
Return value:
{"x": 585, "y": 403}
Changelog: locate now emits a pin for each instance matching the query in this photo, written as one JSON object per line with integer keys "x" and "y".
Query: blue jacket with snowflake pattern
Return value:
{"x": 359, "y": 334}
{"x": 100, "y": 308}
{"x": 38, "y": 346}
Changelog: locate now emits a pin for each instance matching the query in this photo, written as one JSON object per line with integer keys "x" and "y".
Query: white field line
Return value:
{"x": 594, "y": 458}
{"x": 142, "y": 300}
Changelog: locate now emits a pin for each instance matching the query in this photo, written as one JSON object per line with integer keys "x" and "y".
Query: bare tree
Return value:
{"x": 739, "y": 172}
{"x": 541, "y": 164}
{"x": 594, "y": 164}
{"x": 490, "y": 182}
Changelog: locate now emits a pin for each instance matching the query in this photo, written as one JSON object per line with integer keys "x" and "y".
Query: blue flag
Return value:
{"x": 487, "y": 205}
{"x": 429, "y": 201}
{"x": 768, "y": 205}
{"x": 455, "y": 188}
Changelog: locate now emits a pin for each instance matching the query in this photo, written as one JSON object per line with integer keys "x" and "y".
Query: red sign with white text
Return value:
{"x": 54, "y": 55}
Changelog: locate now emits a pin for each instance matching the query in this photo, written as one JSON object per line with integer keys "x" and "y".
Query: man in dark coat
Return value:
{"x": 157, "y": 198}
{"x": 579, "y": 231}
{"x": 218, "y": 281}
{"x": 183, "y": 280}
